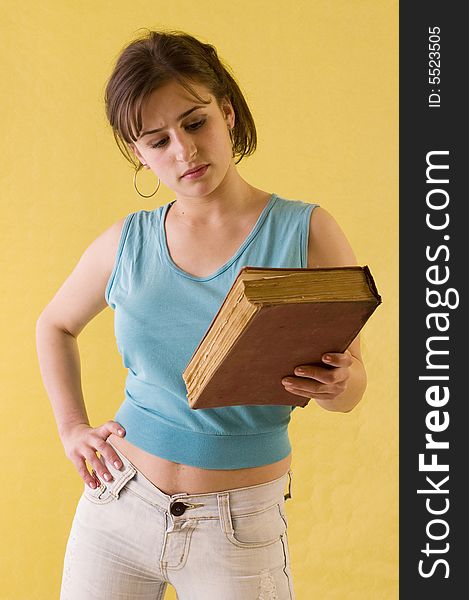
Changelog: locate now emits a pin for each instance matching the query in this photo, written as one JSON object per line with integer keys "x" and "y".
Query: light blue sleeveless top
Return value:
{"x": 161, "y": 314}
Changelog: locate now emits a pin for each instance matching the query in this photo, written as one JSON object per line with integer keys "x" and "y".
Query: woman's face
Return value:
{"x": 199, "y": 138}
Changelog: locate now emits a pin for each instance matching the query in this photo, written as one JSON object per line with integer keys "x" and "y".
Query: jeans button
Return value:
{"x": 177, "y": 508}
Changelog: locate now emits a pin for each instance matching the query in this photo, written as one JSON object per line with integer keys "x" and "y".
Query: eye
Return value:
{"x": 196, "y": 125}
{"x": 191, "y": 127}
{"x": 158, "y": 144}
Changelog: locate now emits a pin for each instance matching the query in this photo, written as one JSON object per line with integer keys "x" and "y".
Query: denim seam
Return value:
{"x": 231, "y": 538}
{"x": 284, "y": 537}
{"x": 185, "y": 553}
{"x": 253, "y": 514}
{"x": 154, "y": 504}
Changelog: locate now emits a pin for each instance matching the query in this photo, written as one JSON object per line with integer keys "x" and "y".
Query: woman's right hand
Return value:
{"x": 83, "y": 441}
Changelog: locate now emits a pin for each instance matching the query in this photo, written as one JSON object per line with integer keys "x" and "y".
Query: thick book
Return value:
{"x": 271, "y": 321}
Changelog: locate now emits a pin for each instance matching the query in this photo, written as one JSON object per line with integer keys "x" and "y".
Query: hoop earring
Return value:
{"x": 135, "y": 186}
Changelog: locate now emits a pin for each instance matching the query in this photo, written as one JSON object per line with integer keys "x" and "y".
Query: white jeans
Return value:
{"x": 128, "y": 540}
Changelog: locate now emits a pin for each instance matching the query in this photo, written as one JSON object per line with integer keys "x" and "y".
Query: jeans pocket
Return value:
{"x": 108, "y": 491}
{"x": 258, "y": 529}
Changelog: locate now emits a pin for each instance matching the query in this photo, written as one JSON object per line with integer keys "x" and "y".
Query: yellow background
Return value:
{"x": 321, "y": 79}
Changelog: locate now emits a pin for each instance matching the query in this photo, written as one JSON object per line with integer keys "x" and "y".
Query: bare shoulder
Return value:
{"x": 81, "y": 296}
{"x": 327, "y": 243}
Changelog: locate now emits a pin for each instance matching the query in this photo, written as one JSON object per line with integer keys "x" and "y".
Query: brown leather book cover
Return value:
{"x": 278, "y": 334}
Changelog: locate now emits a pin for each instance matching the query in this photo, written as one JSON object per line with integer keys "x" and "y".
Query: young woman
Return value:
{"x": 190, "y": 497}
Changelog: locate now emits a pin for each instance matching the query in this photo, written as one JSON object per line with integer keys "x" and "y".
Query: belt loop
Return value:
{"x": 225, "y": 513}
{"x": 288, "y": 494}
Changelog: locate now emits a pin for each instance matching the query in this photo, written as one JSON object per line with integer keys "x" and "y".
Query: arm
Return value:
{"x": 79, "y": 299}
{"x": 341, "y": 388}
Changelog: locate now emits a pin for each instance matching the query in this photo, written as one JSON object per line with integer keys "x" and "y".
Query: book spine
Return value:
{"x": 371, "y": 283}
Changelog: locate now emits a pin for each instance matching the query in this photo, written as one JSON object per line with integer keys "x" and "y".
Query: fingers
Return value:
{"x": 113, "y": 427}
{"x": 338, "y": 359}
{"x": 85, "y": 474}
{"x": 310, "y": 388}
{"x": 325, "y": 374}
{"x": 84, "y": 446}
{"x": 106, "y": 451}
{"x": 322, "y": 382}
{"x": 319, "y": 374}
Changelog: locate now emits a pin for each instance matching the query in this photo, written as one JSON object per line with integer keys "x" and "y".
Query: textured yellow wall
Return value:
{"x": 322, "y": 82}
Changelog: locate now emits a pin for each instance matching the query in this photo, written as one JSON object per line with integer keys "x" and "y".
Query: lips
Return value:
{"x": 194, "y": 170}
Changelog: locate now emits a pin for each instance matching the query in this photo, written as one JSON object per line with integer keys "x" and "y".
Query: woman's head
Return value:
{"x": 149, "y": 63}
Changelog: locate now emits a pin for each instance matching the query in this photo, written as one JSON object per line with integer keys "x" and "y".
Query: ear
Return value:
{"x": 228, "y": 112}
{"x": 136, "y": 151}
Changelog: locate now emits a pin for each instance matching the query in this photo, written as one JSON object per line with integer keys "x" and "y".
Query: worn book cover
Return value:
{"x": 272, "y": 320}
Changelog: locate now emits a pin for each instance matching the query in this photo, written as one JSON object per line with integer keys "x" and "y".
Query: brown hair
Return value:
{"x": 161, "y": 56}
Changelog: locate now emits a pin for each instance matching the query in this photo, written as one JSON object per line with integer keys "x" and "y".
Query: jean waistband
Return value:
{"x": 241, "y": 500}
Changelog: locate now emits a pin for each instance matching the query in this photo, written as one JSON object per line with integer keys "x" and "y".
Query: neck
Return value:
{"x": 233, "y": 196}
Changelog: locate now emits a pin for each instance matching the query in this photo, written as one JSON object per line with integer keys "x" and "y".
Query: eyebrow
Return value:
{"x": 184, "y": 114}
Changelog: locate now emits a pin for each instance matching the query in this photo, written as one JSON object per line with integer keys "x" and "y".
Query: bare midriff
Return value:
{"x": 174, "y": 478}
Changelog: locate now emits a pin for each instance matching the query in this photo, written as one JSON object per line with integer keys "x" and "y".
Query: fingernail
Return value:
{"x": 327, "y": 358}
{"x": 92, "y": 484}
{"x": 120, "y": 431}
{"x": 300, "y": 371}
{"x": 117, "y": 464}
{"x": 107, "y": 477}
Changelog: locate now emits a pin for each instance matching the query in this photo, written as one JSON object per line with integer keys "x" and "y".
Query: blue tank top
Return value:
{"x": 160, "y": 315}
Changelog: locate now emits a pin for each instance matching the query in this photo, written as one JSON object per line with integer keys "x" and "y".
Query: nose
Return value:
{"x": 185, "y": 148}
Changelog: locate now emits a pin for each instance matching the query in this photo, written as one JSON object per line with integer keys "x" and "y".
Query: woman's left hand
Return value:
{"x": 321, "y": 382}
